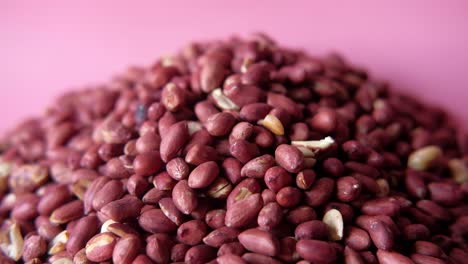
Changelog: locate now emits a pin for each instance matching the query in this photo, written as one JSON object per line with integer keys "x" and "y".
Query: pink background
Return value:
{"x": 49, "y": 46}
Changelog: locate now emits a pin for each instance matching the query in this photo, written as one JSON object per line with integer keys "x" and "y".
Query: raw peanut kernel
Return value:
{"x": 173, "y": 97}
{"x": 289, "y": 157}
{"x": 184, "y": 197}
{"x": 100, "y": 247}
{"x": 423, "y": 158}
{"x": 170, "y": 211}
{"x": 203, "y": 175}
{"x": 384, "y": 188}
{"x": 79, "y": 188}
{"x": 11, "y": 242}
{"x": 80, "y": 257}
{"x": 316, "y": 251}
{"x": 219, "y": 189}
{"x": 58, "y": 243}
{"x": 273, "y": 124}
{"x": 126, "y": 249}
{"x": 459, "y": 170}
{"x": 244, "y": 211}
{"x": 223, "y": 101}
{"x": 27, "y": 177}
{"x": 106, "y": 224}
{"x": 5, "y": 169}
{"x": 259, "y": 241}
{"x": 34, "y": 247}
{"x": 68, "y": 212}
{"x": 315, "y": 144}
{"x": 334, "y": 220}
{"x": 308, "y": 153}
{"x": 256, "y": 168}
{"x": 194, "y": 126}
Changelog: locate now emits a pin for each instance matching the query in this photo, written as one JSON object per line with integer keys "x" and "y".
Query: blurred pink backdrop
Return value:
{"x": 50, "y": 46}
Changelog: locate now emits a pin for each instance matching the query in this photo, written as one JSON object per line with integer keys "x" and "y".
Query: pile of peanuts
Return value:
{"x": 236, "y": 151}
